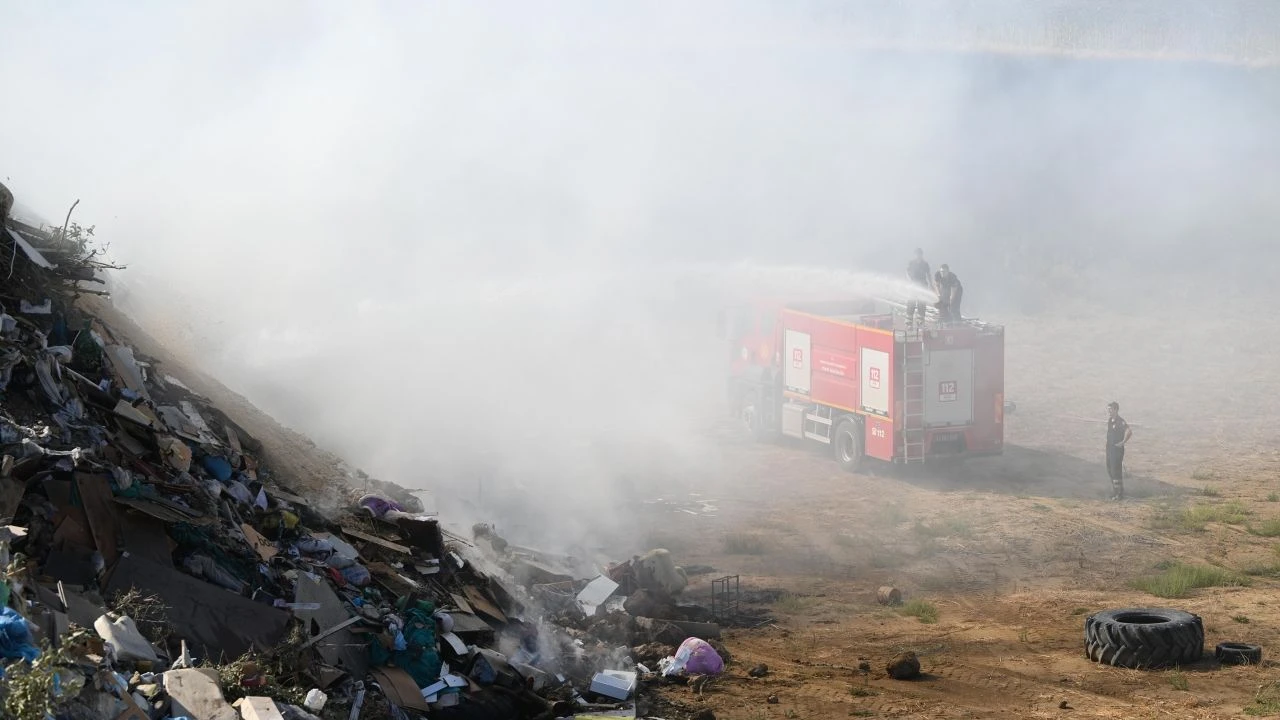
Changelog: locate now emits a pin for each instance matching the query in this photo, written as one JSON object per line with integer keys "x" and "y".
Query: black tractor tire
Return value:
{"x": 1234, "y": 653}
{"x": 1144, "y": 637}
{"x": 847, "y": 443}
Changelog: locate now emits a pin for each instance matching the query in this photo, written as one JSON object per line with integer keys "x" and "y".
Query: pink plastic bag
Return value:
{"x": 697, "y": 657}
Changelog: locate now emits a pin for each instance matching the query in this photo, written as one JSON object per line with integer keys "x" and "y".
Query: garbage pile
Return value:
{"x": 153, "y": 567}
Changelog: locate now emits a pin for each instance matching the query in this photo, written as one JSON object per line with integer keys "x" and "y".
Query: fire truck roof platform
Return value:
{"x": 882, "y": 314}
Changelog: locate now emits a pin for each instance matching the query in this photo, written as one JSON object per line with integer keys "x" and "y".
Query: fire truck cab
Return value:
{"x": 850, "y": 374}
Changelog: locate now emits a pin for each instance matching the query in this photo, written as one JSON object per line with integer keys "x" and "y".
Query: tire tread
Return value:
{"x": 1178, "y": 641}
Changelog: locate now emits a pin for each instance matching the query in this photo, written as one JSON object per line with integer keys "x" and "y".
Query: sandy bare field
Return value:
{"x": 1013, "y": 552}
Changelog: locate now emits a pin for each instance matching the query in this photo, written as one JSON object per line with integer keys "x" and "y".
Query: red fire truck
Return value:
{"x": 851, "y": 374}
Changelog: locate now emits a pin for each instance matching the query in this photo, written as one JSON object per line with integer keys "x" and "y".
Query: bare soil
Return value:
{"x": 1013, "y": 552}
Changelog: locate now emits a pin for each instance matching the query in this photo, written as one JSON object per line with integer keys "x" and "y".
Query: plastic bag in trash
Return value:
{"x": 696, "y": 657}
{"x": 15, "y": 637}
{"x": 315, "y": 547}
{"x": 357, "y": 575}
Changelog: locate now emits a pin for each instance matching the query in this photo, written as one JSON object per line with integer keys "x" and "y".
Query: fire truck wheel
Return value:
{"x": 847, "y": 443}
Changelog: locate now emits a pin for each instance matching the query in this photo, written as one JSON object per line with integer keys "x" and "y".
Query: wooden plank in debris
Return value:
{"x": 95, "y": 493}
{"x": 483, "y": 605}
{"x": 178, "y": 423}
{"x": 71, "y": 530}
{"x": 377, "y": 541}
{"x": 11, "y": 492}
{"x": 89, "y": 390}
{"x": 461, "y": 602}
{"x": 129, "y": 412}
{"x": 390, "y": 579}
{"x": 166, "y": 511}
{"x": 465, "y": 623}
{"x": 286, "y": 496}
{"x": 401, "y": 688}
{"x": 129, "y": 444}
{"x": 145, "y": 536}
{"x": 233, "y": 439}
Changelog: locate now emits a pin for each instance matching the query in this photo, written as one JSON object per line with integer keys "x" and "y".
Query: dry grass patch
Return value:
{"x": 1266, "y": 701}
{"x": 745, "y": 544}
{"x": 943, "y": 527}
{"x": 1196, "y": 517}
{"x": 924, "y": 611}
{"x": 1177, "y": 579}
{"x": 1266, "y": 528}
{"x": 792, "y": 604}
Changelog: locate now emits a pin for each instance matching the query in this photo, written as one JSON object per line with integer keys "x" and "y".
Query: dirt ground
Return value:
{"x": 1013, "y": 552}
{"x": 296, "y": 460}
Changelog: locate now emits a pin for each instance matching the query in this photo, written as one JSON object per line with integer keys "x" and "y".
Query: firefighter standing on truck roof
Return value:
{"x": 950, "y": 292}
{"x": 1118, "y": 433}
{"x": 918, "y": 274}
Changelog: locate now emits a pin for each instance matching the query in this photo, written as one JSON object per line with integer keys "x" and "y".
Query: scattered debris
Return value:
{"x": 772, "y": 700}
{"x": 904, "y": 666}
{"x": 152, "y": 565}
{"x": 758, "y": 671}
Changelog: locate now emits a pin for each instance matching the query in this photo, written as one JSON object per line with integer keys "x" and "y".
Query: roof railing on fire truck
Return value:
{"x": 933, "y": 322}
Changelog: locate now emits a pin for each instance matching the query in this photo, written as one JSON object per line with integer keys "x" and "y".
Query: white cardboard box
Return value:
{"x": 614, "y": 683}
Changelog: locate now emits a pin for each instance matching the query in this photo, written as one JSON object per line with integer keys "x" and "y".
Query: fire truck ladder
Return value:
{"x": 913, "y": 399}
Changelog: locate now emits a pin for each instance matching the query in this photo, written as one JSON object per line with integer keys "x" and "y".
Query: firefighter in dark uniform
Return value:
{"x": 950, "y": 292}
{"x": 1118, "y": 433}
{"x": 918, "y": 274}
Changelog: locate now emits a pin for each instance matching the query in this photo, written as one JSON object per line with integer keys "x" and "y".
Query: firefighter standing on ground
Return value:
{"x": 918, "y": 274}
{"x": 1118, "y": 433}
{"x": 950, "y": 292}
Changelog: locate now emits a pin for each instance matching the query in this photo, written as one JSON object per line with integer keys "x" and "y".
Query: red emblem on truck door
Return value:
{"x": 873, "y": 377}
{"x": 797, "y": 358}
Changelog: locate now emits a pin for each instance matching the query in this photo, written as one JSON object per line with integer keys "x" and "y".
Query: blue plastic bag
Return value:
{"x": 15, "y": 637}
{"x": 217, "y": 466}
